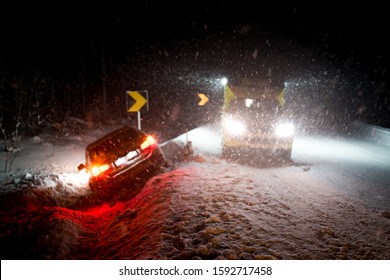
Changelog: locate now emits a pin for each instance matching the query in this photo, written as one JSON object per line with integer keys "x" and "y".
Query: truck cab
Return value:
{"x": 254, "y": 120}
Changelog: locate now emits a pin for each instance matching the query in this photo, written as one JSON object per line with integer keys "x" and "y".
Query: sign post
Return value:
{"x": 140, "y": 101}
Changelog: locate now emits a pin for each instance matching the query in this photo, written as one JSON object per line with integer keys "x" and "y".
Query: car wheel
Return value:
{"x": 158, "y": 159}
{"x": 101, "y": 192}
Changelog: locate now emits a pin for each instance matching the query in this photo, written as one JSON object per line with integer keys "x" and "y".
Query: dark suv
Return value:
{"x": 119, "y": 157}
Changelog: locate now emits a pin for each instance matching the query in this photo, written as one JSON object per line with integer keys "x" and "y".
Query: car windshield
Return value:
{"x": 247, "y": 106}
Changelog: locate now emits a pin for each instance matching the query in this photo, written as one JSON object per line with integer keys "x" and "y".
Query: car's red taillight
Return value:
{"x": 149, "y": 142}
{"x": 96, "y": 170}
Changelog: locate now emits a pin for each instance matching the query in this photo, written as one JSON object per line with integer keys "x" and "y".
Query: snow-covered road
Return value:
{"x": 330, "y": 202}
{"x": 357, "y": 166}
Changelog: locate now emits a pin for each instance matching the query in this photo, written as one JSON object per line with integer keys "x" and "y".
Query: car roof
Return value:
{"x": 112, "y": 135}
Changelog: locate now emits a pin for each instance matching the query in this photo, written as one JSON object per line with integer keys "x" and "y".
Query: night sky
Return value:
{"x": 143, "y": 41}
{"x": 357, "y": 30}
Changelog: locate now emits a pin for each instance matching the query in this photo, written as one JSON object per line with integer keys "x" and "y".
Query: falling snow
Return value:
{"x": 201, "y": 207}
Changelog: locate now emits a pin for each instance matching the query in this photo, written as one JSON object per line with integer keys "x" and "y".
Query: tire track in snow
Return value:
{"x": 248, "y": 213}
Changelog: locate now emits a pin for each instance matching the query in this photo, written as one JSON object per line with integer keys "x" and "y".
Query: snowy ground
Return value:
{"x": 318, "y": 206}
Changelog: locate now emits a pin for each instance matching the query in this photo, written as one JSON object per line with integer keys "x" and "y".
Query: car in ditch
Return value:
{"x": 120, "y": 157}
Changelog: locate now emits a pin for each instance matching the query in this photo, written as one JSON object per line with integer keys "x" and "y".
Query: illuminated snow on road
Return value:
{"x": 204, "y": 207}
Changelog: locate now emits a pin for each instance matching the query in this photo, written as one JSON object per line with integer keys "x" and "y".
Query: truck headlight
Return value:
{"x": 234, "y": 127}
{"x": 284, "y": 130}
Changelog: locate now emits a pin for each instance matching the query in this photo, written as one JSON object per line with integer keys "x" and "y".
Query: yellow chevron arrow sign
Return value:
{"x": 140, "y": 101}
{"x": 203, "y": 99}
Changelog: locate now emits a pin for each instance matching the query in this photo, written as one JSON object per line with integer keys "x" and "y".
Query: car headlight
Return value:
{"x": 284, "y": 130}
{"x": 234, "y": 127}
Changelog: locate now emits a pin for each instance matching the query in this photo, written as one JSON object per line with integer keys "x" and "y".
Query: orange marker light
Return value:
{"x": 150, "y": 141}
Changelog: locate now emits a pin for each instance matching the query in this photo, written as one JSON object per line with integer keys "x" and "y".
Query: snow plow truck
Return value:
{"x": 254, "y": 120}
